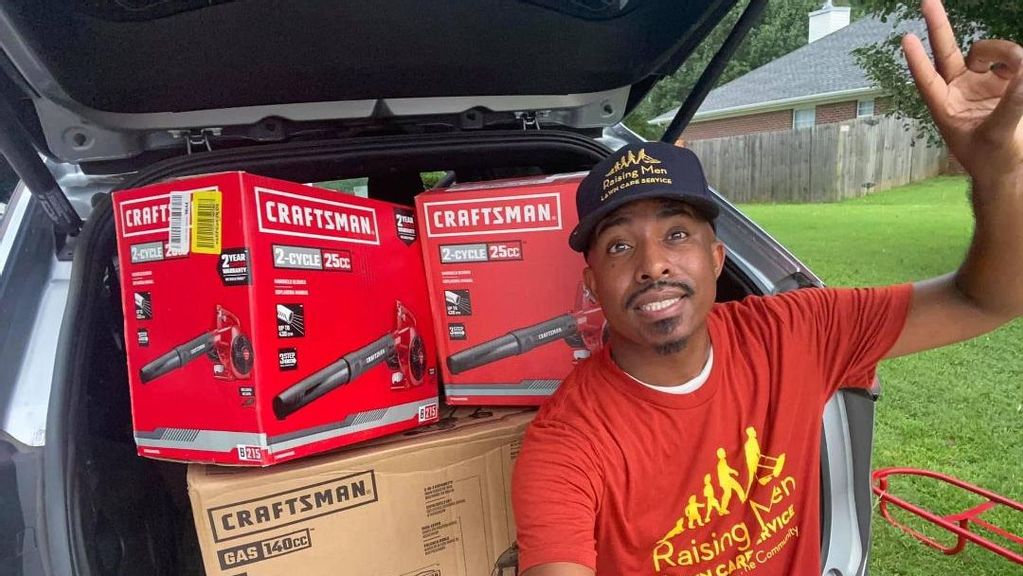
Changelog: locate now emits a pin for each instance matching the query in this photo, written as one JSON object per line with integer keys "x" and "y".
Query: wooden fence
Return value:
{"x": 825, "y": 163}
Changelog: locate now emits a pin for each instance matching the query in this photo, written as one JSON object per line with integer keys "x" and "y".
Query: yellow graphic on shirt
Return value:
{"x": 734, "y": 548}
{"x": 728, "y": 484}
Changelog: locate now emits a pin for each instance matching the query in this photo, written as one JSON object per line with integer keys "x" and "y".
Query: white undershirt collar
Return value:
{"x": 685, "y": 387}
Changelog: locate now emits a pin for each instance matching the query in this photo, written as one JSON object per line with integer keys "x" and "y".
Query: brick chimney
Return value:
{"x": 828, "y": 19}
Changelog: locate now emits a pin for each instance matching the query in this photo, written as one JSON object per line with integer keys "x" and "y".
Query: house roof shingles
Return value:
{"x": 821, "y": 67}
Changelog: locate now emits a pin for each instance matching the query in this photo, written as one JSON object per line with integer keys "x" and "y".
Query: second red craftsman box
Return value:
{"x": 266, "y": 320}
{"x": 511, "y": 314}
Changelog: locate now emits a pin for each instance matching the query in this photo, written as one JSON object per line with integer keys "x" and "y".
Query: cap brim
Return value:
{"x": 579, "y": 239}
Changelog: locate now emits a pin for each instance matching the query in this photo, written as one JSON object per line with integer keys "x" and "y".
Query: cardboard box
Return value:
{"x": 510, "y": 311}
{"x": 435, "y": 503}
{"x": 266, "y": 320}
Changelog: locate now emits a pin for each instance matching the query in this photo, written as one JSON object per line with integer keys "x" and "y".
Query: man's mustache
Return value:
{"x": 658, "y": 285}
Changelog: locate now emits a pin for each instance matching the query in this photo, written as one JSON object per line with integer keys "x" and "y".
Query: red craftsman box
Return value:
{"x": 267, "y": 320}
{"x": 511, "y": 314}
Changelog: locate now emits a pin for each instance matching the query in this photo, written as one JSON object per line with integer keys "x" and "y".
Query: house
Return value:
{"x": 818, "y": 83}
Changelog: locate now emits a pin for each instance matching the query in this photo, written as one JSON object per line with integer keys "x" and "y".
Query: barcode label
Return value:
{"x": 177, "y": 239}
{"x": 206, "y": 217}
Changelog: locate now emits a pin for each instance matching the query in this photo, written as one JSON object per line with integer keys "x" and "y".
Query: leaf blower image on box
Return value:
{"x": 584, "y": 329}
{"x": 226, "y": 345}
{"x": 402, "y": 350}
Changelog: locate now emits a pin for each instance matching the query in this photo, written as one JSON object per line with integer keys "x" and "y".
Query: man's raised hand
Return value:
{"x": 976, "y": 102}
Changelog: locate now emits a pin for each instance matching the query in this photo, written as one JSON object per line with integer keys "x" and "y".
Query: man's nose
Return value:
{"x": 653, "y": 262}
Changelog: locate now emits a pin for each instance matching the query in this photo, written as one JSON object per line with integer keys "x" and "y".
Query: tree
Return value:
{"x": 971, "y": 19}
{"x": 783, "y": 28}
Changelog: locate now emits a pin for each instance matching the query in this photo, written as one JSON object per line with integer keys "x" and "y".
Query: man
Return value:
{"x": 690, "y": 445}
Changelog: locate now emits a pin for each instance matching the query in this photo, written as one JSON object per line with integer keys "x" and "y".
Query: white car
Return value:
{"x": 97, "y": 95}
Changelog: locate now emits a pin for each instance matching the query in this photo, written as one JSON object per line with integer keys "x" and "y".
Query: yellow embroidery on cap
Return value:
{"x": 631, "y": 159}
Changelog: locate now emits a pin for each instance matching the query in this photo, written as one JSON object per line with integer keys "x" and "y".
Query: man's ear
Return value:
{"x": 590, "y": 281}
{"x": 719, "y": 257}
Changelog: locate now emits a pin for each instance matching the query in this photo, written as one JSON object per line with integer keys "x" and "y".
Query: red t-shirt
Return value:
{"x": 725, "y": 480}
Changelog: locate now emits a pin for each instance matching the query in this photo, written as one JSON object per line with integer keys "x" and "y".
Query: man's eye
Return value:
{"x": 617, "y": 247}
{"x": 678, "y": 235}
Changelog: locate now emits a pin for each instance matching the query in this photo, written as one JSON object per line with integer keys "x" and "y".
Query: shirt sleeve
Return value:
{"x": 556, "y": 490}
{"x": 851, "y": 329}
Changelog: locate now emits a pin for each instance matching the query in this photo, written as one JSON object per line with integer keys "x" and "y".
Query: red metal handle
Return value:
{"x": 958, "y": 523}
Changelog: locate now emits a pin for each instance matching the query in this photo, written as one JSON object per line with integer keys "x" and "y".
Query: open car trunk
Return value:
{"x": 130, "y": 515}
{"x": 112, "y": 85}
{"x": 383, "y": 91}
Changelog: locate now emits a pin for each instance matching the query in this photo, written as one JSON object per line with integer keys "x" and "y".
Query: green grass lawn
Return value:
{"x": 957, "y": 410}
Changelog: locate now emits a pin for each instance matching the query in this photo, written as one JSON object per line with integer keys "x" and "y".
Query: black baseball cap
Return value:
{"x": 636, "y": 172}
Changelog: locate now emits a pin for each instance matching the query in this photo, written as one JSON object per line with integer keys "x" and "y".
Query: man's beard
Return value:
{"x": 664, "y": 327}
{"x": 673, "y": 347}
